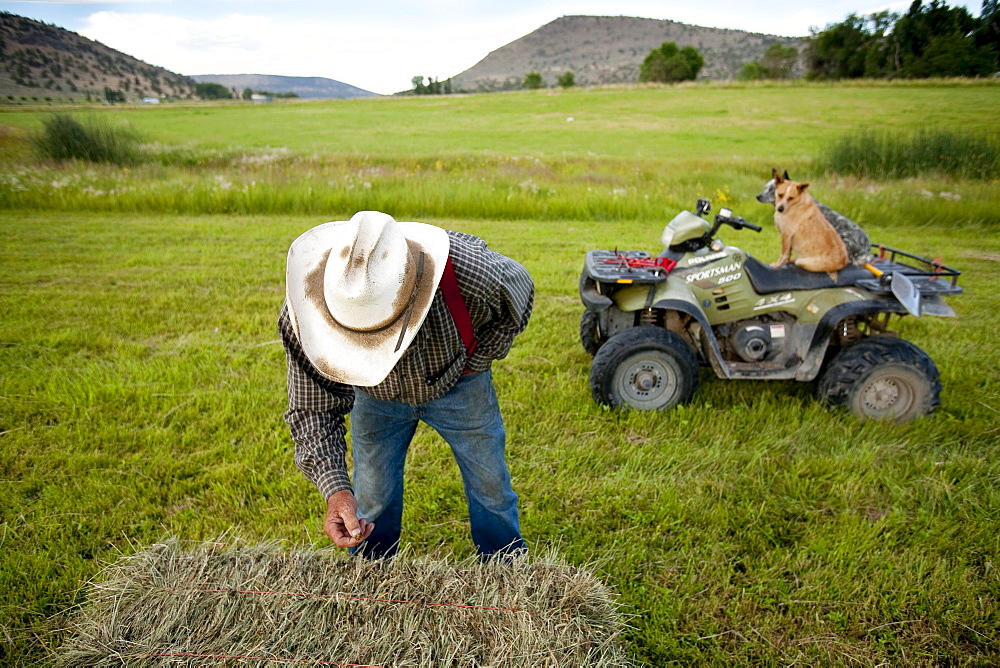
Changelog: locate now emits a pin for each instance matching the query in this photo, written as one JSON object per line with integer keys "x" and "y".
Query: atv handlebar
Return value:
{"x": 696, "y": 236}
{"x": 725, "y": 216}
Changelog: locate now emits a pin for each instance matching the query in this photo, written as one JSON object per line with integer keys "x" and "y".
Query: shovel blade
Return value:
{"x": 906, "y": 292}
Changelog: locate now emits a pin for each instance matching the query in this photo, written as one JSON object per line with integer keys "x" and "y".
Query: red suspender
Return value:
{"x": 459, "y": 311}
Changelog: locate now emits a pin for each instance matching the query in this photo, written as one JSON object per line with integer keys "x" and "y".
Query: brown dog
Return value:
{"x": 805, "y": 231}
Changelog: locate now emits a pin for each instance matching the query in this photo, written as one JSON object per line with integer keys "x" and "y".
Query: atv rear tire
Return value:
{"x": 590, "y": 333}
{"x": 882, "y": 378}
{"x": 647, "y": 368}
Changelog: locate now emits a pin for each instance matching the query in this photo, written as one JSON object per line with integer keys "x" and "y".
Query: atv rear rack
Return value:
{"x": 631, "y": 266}
{"x": 929, "y": 276}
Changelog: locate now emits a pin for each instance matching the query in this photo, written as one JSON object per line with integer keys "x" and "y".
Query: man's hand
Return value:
{"x": 342, "y": 525}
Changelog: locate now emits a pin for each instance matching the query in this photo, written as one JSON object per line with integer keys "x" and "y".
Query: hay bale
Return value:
{"x": 264, "y": 605}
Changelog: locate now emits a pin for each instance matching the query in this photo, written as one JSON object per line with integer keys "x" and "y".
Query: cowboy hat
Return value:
{"x": 359, "y": 290}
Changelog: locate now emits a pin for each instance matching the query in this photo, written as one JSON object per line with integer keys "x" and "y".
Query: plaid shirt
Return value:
{"x": 499, "y": 295}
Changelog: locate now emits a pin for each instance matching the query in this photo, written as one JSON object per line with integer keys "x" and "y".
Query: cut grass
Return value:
{"x": 688, "y": 122}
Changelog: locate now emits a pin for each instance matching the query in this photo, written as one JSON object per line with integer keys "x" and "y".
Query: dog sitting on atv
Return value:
{"x": 805, "y": 231}
{"x": 856, "y": 241}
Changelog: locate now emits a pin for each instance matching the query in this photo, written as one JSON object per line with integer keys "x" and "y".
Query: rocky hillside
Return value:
{"x": 610, "y": 49}
{"x": 315, "y": 87}
{"x": 39, "y": 61}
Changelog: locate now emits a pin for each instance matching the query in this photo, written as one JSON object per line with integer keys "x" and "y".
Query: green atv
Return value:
{"x": 650, "y": 322}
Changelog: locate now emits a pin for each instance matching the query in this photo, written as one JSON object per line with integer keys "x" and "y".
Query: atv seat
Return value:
{"x": 767, "y": 280}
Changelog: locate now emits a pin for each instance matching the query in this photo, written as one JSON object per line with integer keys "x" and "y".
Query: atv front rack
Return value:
{"x": 930, "y": 277}
{"x": 631, "y": 266}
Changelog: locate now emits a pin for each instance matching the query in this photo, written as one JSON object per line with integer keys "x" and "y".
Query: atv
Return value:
{"x": 651, "y": 322}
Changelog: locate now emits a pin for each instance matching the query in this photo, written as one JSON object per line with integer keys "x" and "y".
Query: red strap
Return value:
{"x": 459, "y": 311}
{"x": 642, "y": 262}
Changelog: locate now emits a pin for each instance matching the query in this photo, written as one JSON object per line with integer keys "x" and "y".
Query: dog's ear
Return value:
{"x": 776, "y": 176}
{"x": 786, "y": 177}
{"x": 803, "y": 186}
{"x": 774, "y": 172}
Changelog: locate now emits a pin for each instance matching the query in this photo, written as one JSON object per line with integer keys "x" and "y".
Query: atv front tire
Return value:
{"x": 647, "y": 368}
{"x": 882, "y": 378}
{"x": 590, "y": 332}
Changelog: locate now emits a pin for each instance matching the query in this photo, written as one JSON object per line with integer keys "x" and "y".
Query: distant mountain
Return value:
{"x": 610, "y": 49}
{"x": 316, "y": 87}
{"x": 41, "y": 61}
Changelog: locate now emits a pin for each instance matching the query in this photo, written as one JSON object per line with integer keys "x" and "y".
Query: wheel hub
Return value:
{"x": 881, "y": 395}
{"x": 645, "y": 380}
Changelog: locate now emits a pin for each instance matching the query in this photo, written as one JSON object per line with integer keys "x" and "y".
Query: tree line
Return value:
{"x": 932, "y": 40}
{"x": 666, "y": 64}
{"x": 216, "y": 91}
{"x": 531, "y": 81}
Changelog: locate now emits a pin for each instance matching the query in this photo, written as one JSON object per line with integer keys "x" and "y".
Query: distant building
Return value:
{"x": 257, "y": 98}
{"x": 150, "y": 100}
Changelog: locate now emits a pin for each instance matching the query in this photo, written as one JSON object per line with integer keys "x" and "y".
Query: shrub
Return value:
{"x": 63, "y": 137}
{"x": 212, "y": 91}
{"x": 668, "y": 64}
{"x": 752, "y": 72}
{"x": 881, "y": 154}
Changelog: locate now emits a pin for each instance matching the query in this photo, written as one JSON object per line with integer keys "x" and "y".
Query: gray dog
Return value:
{"x": 855, "y": 239}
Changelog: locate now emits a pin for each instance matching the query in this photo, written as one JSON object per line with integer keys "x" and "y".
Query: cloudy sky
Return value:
{"x": 380, "y": 45}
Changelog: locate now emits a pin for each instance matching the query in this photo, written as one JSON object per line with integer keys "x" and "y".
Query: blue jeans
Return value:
{"x": 468, "y": 418}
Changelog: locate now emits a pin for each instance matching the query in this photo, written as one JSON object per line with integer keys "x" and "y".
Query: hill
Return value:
{"x": 314, "y": 87}
{"x": 610, "y": 49}
{"x": 39, "y": 61}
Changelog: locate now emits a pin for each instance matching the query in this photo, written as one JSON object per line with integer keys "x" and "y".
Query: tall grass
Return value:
{"x": 465, "y": 186}
{"x": 512, "y": 187}
{"x": 688, "y": 123}
{"x": 886, "y": 154}
{"x": 95, "y": 139}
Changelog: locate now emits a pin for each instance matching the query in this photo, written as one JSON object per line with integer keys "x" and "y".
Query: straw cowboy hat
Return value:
{"x": 359, "y": 290}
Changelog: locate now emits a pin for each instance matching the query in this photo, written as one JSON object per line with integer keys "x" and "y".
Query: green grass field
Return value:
{"x": 142, "y": 383}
